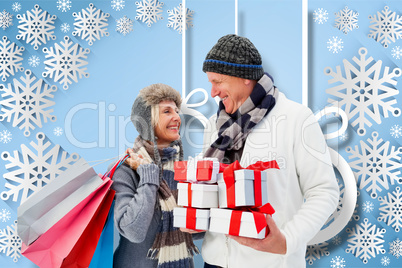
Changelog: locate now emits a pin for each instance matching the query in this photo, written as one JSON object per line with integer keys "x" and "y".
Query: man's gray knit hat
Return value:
{"x": 235, "y": 56}
{"x": 141, "y": 114}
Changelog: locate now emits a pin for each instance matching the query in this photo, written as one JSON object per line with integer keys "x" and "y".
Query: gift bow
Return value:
{"x": 229, "y": 178}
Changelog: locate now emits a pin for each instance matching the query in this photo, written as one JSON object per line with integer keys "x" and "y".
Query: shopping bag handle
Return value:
{"x": 113, "y": 169}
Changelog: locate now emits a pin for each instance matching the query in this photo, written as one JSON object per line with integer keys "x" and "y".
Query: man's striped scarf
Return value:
{"x": 171, "y": 247}
{"x": 233, "y": 129}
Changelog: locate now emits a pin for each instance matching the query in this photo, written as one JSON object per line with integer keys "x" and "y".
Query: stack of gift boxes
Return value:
{"x": 222, "y": 198}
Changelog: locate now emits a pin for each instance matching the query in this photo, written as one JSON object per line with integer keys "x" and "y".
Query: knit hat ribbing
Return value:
{"x": 235, "y": 56}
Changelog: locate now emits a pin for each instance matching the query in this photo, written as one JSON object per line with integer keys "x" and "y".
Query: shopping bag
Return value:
{"x": 52, "y": 247}
{"x": 47, "y": 206}
{"x": 103, "y": 256}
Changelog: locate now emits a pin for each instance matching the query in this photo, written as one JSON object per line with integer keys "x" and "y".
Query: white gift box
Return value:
{"x": 180, "y": 216}
{"x": 202, "y": 195}
{"x": 244, "y": 188}
{"x": 221, "y": 220}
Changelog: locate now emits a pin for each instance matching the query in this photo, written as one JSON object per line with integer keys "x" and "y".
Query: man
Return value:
{"x": 256, "y": 122}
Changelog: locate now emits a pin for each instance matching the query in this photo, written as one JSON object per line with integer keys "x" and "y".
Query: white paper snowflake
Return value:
{"x": 396, "y": 131}
{"x": 30, "y": 171}
{"x": 65, "y": 62}
{"x": 344, "y": 136}
{"x": 377, "y": 165}
{"x": 385, "y": 261}
{"x": 27, "y": 101}
{"x": 16, "y": 6}
{"x": 117, "y": 4}
{"x": 336, "y": 240}
{"x": 58, "y": 131}
{"x": 366, "y": 240}
{"x": 316, "y": 251}
{"x": 346, "y": 20}
{"x": 36, "y": 28}
{"x": 368, "y": 206}
{"x": 65, "y": 27}
{"x": 391, "y": 209}
{"x": 320, "y": 16}
{"x": 90, "y": 24}
{"x": 6, "y": 19}
{"x": 5, "y": 136}
{"x": 10, "y": 58}
{"x": 334, "y": 44}
{"x": 4, "y": 215}
{"x": 364, "y": 90}
{"x": 10, "y": 242}
{"x": 338, "y": 262}
{"x": 149, "y": 11}
{"x": 124, "y": 25}
{"x": 396, "y": 52}
{"x": 64, "y": 5}
{"x": 386, "y": 27}
{"x": 34, "y": 61}
{"x": 395, "y": 248}
{"x": 176, "y": 18}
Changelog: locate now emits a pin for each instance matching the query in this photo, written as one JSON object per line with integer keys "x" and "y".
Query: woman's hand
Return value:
{"x": 135, "y": 160}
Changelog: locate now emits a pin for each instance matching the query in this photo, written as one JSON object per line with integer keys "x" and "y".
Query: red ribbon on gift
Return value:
{"x": 189, "y": 195}
{"x": 191, "y": 218}
{"x": 259, "y": 219}
{"x": 229, "y": 178}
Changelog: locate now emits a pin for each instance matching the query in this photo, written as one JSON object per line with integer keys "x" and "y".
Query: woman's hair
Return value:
{"x": 154, "y": 115}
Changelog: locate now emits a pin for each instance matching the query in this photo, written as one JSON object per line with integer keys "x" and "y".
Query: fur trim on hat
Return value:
{"x": 155, "y": 93}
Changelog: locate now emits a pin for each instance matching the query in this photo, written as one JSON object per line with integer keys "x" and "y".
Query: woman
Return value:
{"x": 145, "y": 190}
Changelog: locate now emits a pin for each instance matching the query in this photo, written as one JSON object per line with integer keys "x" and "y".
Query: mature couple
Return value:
{"x": 304, "y": 196}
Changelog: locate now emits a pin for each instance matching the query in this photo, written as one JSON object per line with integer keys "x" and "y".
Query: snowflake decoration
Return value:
{"x": 58, "y": 131}
{"x": 337, "y": 240}
{"x": 28, "y": 100}
{"x": 346, "y": 20}
{"x": 6, "y": 19}
{"x": 149, "y": 11}
{"x": 65, "y": 62}
{"x": 396, "y": 52}
{"x": 362, "y": 91}
{"x": 365, "y": 241}
{"x": 396, "y": 131}
{"x": 316, "y": 251}
{"x": 90, "y": 24}
{"x": 36, "y": 28}
{"x": 320, "y": 16}
{"x": 338, "y": 262}
{"x": 344, "y": 136}
{"x": 10, "y": 242}
{"x": 176, "y": 18}
{"x": 385, "y": 261}
{"x": 118, "y": 4}
{"x": 10, "y": 58}
{"x": 5, "y": 136}
{"x": 124, "y": 25}
{"x": 334, "y": 44}
{"x": 377, "y": 165}
{"x": 386, "y": 27}
{"x": 4, "y": 215}
{"x": 30, "y": 171}
{"x": 395, "y": 248}
{"x": 63, "y": 5}
{"x": 368, "y": 206}
{"x": 65, "y": 27}
{"x": 16, "y": 6}
{"x": 34, "y": 61}
{"x": 391, "y": 209}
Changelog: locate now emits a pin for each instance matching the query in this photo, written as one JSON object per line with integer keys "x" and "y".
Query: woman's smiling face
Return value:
{"x": 168, "y": 126}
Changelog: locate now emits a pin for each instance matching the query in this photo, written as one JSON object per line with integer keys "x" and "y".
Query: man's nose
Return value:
{"x": 214, "y": 92}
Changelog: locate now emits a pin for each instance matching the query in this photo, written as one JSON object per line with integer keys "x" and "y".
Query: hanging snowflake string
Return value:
{"x": 16, "y": 6}
{"x": 362, "y": 91}
{"x": 34, "y": 61}
{"x": 6, "y": 19}
{"x": 5, "y": 215}
{"x": 338, "y": 262}
{"x": 65, "y": 62}
{"x": 63, "y": 5}
{"x": 10, "y": 58}
{"x": 124, "y": 25}
{"x": 65, "y": 27}
{"x": 90, "y": 24}
{"x": 10, "y": 242}
{"x": 176, "y": 18}
{"x": 314, "y": 252}
{"x": 117, "y": 4}
{"x": 36, "y": 28}
{"x": 320, "y": 16}
{"x": 5, "y": 136}
{"x": 395, "y": 248}
{"x": 385, "y": 28}
{"x": 391, "y": 209}
{"x": 375, "y": 165}
{"x": 334, "y": 44}
{"x": 396, "y": 52}
{"x": 149, "y": 11}
{"x": 346, "y": 20}
{"x": 27, "y": 101}
{"x": 30, "y": 170}
{"x": 396, "y": 131}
